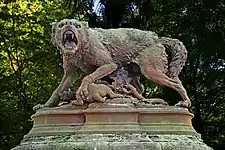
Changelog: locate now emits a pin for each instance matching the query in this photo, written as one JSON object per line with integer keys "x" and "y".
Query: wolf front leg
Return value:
{"x": 101, "y": 72}
{"x": 65, "y": 83}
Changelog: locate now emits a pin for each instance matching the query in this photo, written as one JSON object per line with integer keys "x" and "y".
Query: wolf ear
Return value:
{"x": 54, "y": 25}
{"x": 84, "y": 24}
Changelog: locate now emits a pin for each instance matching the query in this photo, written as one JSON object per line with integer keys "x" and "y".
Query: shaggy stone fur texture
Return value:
{"x": 100, "y": 52}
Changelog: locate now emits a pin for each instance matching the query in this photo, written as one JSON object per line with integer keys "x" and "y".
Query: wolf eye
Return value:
{"x": 60, "y": 25}
{"x": 78, "y": 26}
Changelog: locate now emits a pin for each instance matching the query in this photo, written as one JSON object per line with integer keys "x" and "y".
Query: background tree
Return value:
{"x": 30, "y": 67}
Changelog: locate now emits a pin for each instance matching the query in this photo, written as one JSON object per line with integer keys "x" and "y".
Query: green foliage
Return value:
{"x": 30, "y": 67}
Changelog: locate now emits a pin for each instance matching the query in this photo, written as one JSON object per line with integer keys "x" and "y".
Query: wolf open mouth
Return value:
{"x": 69, "y": 40}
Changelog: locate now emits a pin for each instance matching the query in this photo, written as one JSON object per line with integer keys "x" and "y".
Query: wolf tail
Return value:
{"x": 177, "y": 56}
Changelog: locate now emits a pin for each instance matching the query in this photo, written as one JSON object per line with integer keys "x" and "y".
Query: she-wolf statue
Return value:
{"x": 99, "y": 52}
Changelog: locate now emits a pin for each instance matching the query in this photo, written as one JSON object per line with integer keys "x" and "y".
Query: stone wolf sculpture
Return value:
{"x": 99, "y": 52}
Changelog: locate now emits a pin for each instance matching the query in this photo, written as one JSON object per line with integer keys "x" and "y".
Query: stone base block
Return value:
{"x": 113, "y": 127}
{"x": 123, "y": 141}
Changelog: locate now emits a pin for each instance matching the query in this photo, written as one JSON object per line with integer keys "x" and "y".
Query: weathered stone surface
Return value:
{"x": 122, "y": 123}
{"x": 122, "y": 54}
{"x": 123, "y": 141}
{"x": 112, "y": 126}
{"x": 112, "y": 118}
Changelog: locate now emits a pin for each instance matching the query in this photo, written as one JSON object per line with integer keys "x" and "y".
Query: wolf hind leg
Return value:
{"x": 161, "y": 79}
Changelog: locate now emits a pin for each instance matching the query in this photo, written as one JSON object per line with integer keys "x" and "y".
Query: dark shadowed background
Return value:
{"x": 31, "y": 68}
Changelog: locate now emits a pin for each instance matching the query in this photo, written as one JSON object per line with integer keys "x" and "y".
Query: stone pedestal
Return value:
{"x": 112, "y": 127}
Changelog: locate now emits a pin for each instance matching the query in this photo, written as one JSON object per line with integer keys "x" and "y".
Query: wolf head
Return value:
{"x": 68, "y": 34}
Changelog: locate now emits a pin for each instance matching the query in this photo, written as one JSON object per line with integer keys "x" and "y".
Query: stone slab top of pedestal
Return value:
{"x": 112, "y": 118}
{"x": 112, "y": 107}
